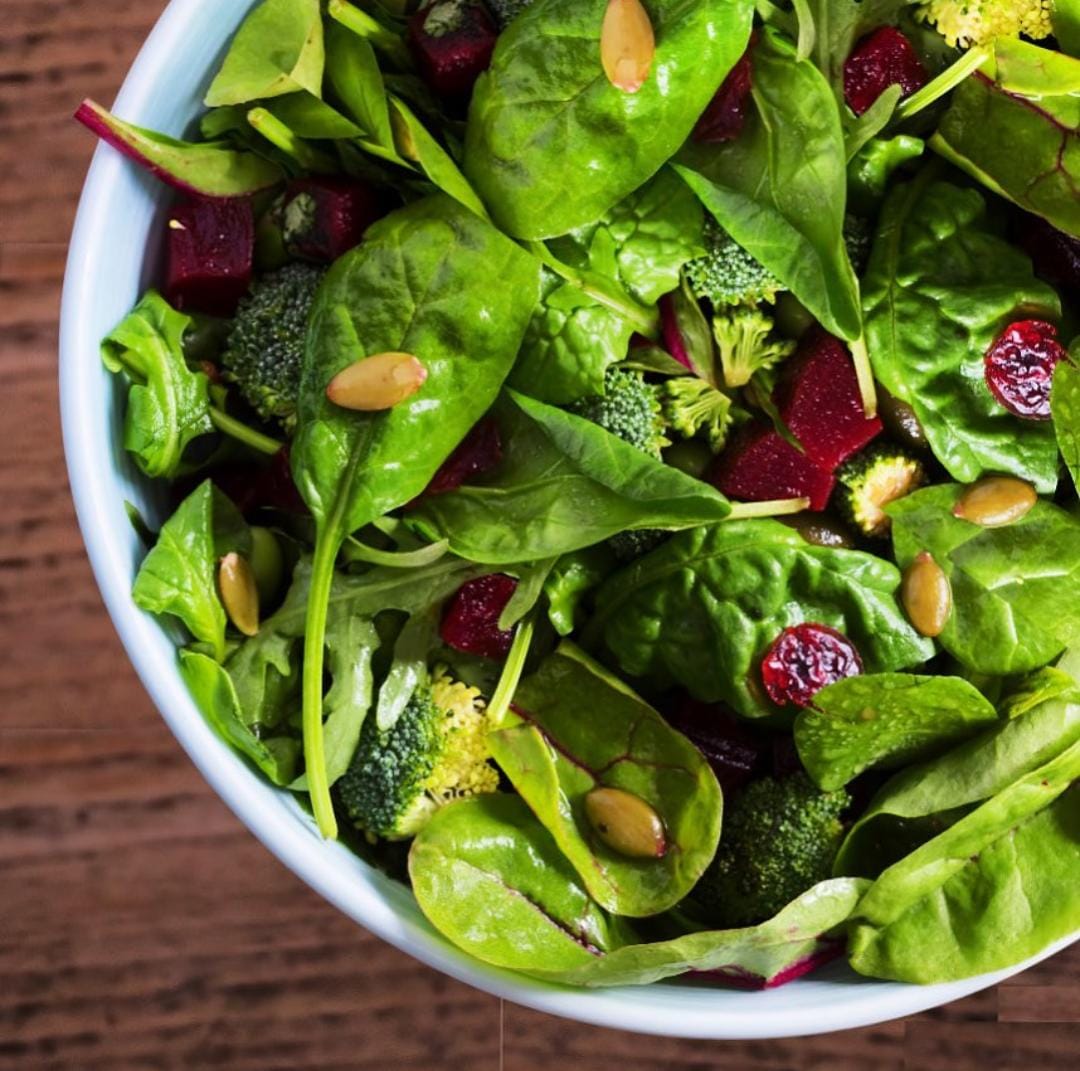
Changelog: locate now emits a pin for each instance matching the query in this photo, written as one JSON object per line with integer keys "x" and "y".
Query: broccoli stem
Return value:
{"x": 238, "y": 430}
{"x": 948, "y": 80}
{"x": 775, "y": 507}
{"x": 278, "y": 134}
{"x": 363, "y": 25}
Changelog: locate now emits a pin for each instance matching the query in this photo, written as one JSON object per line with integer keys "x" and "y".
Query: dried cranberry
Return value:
{"x": 479, "y": 452}
{"x": 728, "y": 746}
{"x": 725, "y": 115}
{"x": 452, "y": 41}
{"x": 881, "y": 59}
{"x": 471, "y": 621}
{"x": 1019, "y": 367}
{"x": 805, "y": 658}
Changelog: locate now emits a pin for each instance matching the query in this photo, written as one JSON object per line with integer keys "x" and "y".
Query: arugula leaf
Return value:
{"x": 885, "y": 720}
{"x": 703, "y": 608}
{"x": 1016, "y": 589}
{"x": 939, "y": 288}
{"x": 1065, "y": 410}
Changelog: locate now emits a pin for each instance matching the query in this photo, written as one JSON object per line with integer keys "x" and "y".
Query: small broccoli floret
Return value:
{"x": 742, "y": 339}
{"x": 780, "y": 837}
{"x": 692, "y": 406}
{"x": 505, "y": 11}
{"x": 728, "y": 275}
{"x": 872, "y": 479}
{"x": 266, "y": 340}
{"x": 973, "y": 22}
{"x": 436, "y": 752}
{"x": 628, "y": 546}
{"x": 858, "y": 239}
{"x": 629, "y": 409}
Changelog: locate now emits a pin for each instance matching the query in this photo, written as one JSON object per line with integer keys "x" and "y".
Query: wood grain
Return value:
{"x": 141, "y": 927}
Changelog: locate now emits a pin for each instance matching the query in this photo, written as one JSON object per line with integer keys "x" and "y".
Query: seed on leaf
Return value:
{"x": 995, "y": 501}
{"x": 626, "y": 823}
{"x": 627, "y": 44}
{"x": 377, "y": 382}
{"x": 239, "y": 592}
{"x": 926, "y": 594}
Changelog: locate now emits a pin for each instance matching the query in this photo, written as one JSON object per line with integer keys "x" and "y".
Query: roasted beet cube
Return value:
{"x": 471, "y": 621}
{"x": 210, "y": 246}
{"x": 452, "y": 41}
{"x": 729, "y": 747}
{"x": 819, "y": 401}
{"x": 324, "y": 216}
{"x": 479, "y": 452}
{"x": 760, "y": 465}
{"x": 1055, "y": 254}
{"x": 804, "y": 659}
{"x": 881, "y": 59}
{"x": 725, "y": 114}
{"x": 254, "y": 486}
{"x": 671, "y": 333}
{"x": 1019, "y": 367}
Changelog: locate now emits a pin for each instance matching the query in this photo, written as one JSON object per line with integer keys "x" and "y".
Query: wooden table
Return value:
{"x": 140, "y": 925}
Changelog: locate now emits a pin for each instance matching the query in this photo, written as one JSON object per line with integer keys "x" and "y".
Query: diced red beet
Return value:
{"x": 1055, "y": 254}
{"x": 725, "y": 114}
{"x": 760, "y": 465}
{"x": 805, "y": 658}
{"x": 252, "y": 487}
{"x": 211, "y": 246}
{"x": 881, "y": 59}
{"x": 479, "y": 452}
{"x": 471, "y": 621}
{"x": 452, "y": 41}
{"x": 669, "y": 328}
{"x": 733, "y": 752}
{"x": 326, "y": 216}
{"x": 819, "y": 401}
{"x": 1019, "y": 367}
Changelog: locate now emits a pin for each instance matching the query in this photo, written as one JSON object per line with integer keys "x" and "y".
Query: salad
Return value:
{"x": 623, "y": 462}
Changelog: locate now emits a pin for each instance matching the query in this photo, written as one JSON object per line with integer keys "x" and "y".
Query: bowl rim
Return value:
{"x": 92, "y": 474}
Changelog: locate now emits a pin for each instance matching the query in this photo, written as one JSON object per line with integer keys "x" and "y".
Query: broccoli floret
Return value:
{"x": 858, "y": 238}
{"x": 690, "y": 405}
{"x": 973, "y": 22}
{"x": 872, "y": 479}
{"x": 505, "y": 11}
{"x": 628, "y": 546}
{"x": 628, "y": 408}
{"x": 742, "y": 339}
{"x": 780, "y": 837}
{"x": 728, "y": 275}
{"x": 266, "y": 341}
{"x": 436, "y": 752}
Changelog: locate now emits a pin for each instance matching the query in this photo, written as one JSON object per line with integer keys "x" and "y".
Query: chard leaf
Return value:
{"x": 1065, "y": 410}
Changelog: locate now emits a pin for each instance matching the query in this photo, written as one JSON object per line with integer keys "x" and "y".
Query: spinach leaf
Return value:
{"x": 278, "y": 49}
{"x": 572, "y": 577}
{"x": 702, "y": 609}
{"x": 544, "y": 111}
{"x": 179, "y": 575}
{"x": 870, "y": 170}
{"x": 768, "y": 954}
{"x": 563, "y": 483}
{"x": 354, "y": 75}
{"x": 838, "y": 26}
{"x": 885, "y": 720}
{"x": 307, "y": 116}
{"x": 998, "y": 886}
{"x": 168, "y": 405}
{"x": 939, "y": 288}
{"x": 1065, "y": 409}
{"x": 1065, "y": 18}
{"x": 1014, "y": 126}
{"x": 489, "y": 877}
{"x": 780, "y": 188}
{"x": 1016, "y": 590}
{"x": 571, "y": 728}
{"x": 435, "y": 280}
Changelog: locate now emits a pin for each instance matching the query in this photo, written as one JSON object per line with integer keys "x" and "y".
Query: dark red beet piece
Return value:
{"x": 210, "y": 248}
{"x": 471, "y": 621}
{"x": 669, "y": 329}
{"x": 452, "y": 41}
{"x": 803, "y": 659}
{"x": 819, "y": 401}
{"x": 479, "y": 452}
{"x": 1055, "y": 254}
{"x": 1019, "y": 367}
{"x": 252, "y": 487}
{"x": 725, "y": 114}
{"x": 881, "y": 59}
{"x": 733, "y": 752}
{"x": 324, "y": 217}
{"x": 761, "y": 465}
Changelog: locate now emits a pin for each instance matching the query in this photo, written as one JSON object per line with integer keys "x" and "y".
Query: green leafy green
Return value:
{"x": 1065, "y": 409}
{"x": 939, "y": 288}
{"x": 1065, "y": 18}
{"x": 870, "y": 170}
{"x": 702, "y": 609}
{"x": 1016, "y": 589}
{"x": 572, "y": 728}
{"x": 551, "y": 144}
{"x": 353, "y": 73}
{"x": 885, "y": 720}
{"x": 572, "y": 577}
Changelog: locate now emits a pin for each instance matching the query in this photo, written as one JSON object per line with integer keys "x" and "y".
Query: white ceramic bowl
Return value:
{"x": 111, "y": 260}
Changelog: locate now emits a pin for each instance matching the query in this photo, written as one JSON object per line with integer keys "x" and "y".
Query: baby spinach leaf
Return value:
{"x": 571, "y": 728}
{"x": 179, "y": 575}
{"x": 764, "y": 955}
{"x": 563, "y": 483}
{"x": 870, "y": 170}
{"x": 168, "y": 405}
{"x": 940, "y": 286}
{"x": 434, "y": 280}
{"x": 545, "y": 112}
{"x": 1065, "y": 18}
{"x": 885, "y": 720}
{"x": 779, "y": 189}
{"x": 702, "y": 609}
{"x": 490, "y": 878}
{"x": 1065, "y": 409}
{"x": 998, "y": 886}
{"x": 1014, "y": 126}
{"x": 278, "y": 49}
{"x": 355, "y": 77}
{"x": 1016, "y": 589}
{"x": 572, "y": 577}
{"x": 309, "y": 117}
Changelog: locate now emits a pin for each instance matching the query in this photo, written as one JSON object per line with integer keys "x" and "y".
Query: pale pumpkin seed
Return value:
{"x": 926, "y": 594}
{"x": 377, "y": 382}
{"x": 239, "y": 592}
{"x": 627, "y": 44}
{"x": 995, "y": 501}
{"x": 626, "y": 823}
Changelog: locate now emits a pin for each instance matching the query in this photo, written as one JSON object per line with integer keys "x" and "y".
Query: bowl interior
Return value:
{"x": 112, "y": 259}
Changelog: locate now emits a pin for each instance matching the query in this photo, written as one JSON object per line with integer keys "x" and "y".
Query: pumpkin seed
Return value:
{"x": 627, "y": 44}
{"x": 239, "y": 592}
{"x": 626, "y": 823}
{"x": 926, "y": 594}
{"x": 995, "y": 501}
{"x": 377, "y": 382}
